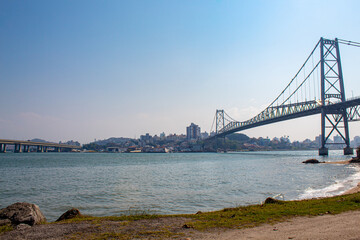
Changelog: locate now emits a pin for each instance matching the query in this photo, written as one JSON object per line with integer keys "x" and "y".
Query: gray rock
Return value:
{"x": 69, "y": 214}
{"x": 312, "y": 161}
{"x": 23, "y": 212}
{"x": 270, "y": 200}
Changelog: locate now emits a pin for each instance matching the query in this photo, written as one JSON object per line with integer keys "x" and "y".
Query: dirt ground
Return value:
{"x": 341, "y": 226}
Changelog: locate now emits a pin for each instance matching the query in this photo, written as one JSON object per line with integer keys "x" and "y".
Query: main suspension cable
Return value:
{"x": 350, "y": 43}
{"x": 296, "y": 73}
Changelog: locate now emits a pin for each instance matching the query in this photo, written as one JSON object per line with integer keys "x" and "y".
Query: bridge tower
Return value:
{"x": 220, "y": 124}
{"x": 333, "y": 121}
{"x": 220, "y": 120}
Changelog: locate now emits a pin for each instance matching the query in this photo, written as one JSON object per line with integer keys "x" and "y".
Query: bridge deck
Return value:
{"x": 283, "y": 113}
{"x": 30, "y": 143}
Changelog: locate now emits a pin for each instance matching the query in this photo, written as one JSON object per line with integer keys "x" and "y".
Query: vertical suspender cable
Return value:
{"x": 305, "y": 84}
{"x": 314, "y": 78}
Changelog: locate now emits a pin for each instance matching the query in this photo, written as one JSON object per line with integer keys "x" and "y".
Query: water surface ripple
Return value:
{"x": 102, "y": 184}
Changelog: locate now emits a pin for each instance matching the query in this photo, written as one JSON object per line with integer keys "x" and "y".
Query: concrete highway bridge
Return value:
{"x": 24, "y": 146}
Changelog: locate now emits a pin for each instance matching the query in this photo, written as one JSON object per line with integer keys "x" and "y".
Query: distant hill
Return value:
{"x": 71, "y": 142}
{"x": 112, "y": 140}
{"x": 238, "y": 137}
{"x": 39, "y": 140}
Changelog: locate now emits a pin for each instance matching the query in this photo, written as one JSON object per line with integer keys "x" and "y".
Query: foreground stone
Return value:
{"x": 357, "y": 158}
{"x": 271, "y": 200}
{"x": 24, "y": 212}
{"x": 69, "y": 214}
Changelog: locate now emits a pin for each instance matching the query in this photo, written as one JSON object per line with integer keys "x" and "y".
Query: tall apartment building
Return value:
{"x": 193, "y": 132}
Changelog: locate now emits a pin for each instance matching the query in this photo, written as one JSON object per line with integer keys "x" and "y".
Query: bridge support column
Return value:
{"x": 17, "y": 148}
{"x": 323, "y": 151}
{"x": 39, "y": 149}
{"x": 57, "y": 149}
{"x": 26, "y": 148}
{"x": 45, "y": 149}
{"x": 2, "y": 148}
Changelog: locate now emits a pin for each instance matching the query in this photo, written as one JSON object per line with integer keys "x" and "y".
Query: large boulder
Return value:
{"x": 72, "y": 213}
{"x": 24, "y": 212}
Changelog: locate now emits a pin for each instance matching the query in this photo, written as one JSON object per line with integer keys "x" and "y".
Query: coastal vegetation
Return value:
{"x": 249, "y": 216}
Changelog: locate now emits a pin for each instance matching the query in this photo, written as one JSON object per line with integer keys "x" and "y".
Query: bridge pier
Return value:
{"x": 2, "y": 148}
{"x": 26, "y": 148}
{"x": 17, "y": 148}
{"x": 45, "y": 149}
{"x": 57, "y": 149}
{"x": 39, "y": 149}
{"x": 348, "y": 151}
{"x": 323, "y": 151}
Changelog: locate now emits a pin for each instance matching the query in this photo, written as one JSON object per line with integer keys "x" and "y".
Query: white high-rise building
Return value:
{"x": 193, "y": 132}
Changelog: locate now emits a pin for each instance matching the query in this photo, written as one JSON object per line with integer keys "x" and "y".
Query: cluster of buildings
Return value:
{"x": 193, "y": 132}
{"x": 192, "y": 142}
{"x": 154, "y": 144}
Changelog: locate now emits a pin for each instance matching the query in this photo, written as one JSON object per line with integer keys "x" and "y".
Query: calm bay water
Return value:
{"x": 102, "y": 184}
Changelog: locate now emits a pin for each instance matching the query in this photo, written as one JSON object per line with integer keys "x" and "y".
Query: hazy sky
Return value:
{"x": 97, "y": 69}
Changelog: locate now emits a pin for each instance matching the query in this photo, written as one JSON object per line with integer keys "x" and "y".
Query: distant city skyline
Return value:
{"x": 85, "y": 70}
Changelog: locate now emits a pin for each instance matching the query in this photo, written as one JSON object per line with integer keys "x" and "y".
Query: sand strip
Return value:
{"x": 333, "y": 227}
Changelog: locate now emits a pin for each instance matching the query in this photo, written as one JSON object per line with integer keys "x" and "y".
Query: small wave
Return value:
{"x": 339, "y": 187}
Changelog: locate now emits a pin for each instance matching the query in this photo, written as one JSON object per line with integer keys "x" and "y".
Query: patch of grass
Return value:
{"x": 6, "y": 228}
{"x": 101, "y": 236}
{"x": 250, "y": 216}
{"x": 109, "y": 218}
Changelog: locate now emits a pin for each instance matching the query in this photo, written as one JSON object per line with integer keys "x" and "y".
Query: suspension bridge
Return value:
{"x": 317, "y": 88}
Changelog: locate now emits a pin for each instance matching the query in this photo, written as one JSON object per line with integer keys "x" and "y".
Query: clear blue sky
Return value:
{"x": 96, "y": 69}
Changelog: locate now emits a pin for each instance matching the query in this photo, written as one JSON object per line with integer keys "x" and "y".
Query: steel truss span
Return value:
{"x": 317, "y": 88}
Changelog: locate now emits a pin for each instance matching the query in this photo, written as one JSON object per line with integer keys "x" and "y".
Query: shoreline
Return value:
{"x": 279, "y": 223}
{"x": 355, "y": 161}
{"x": 353, "y": 190}
{"x": 327, "y": 218}
{"x": 330, "y": 222}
